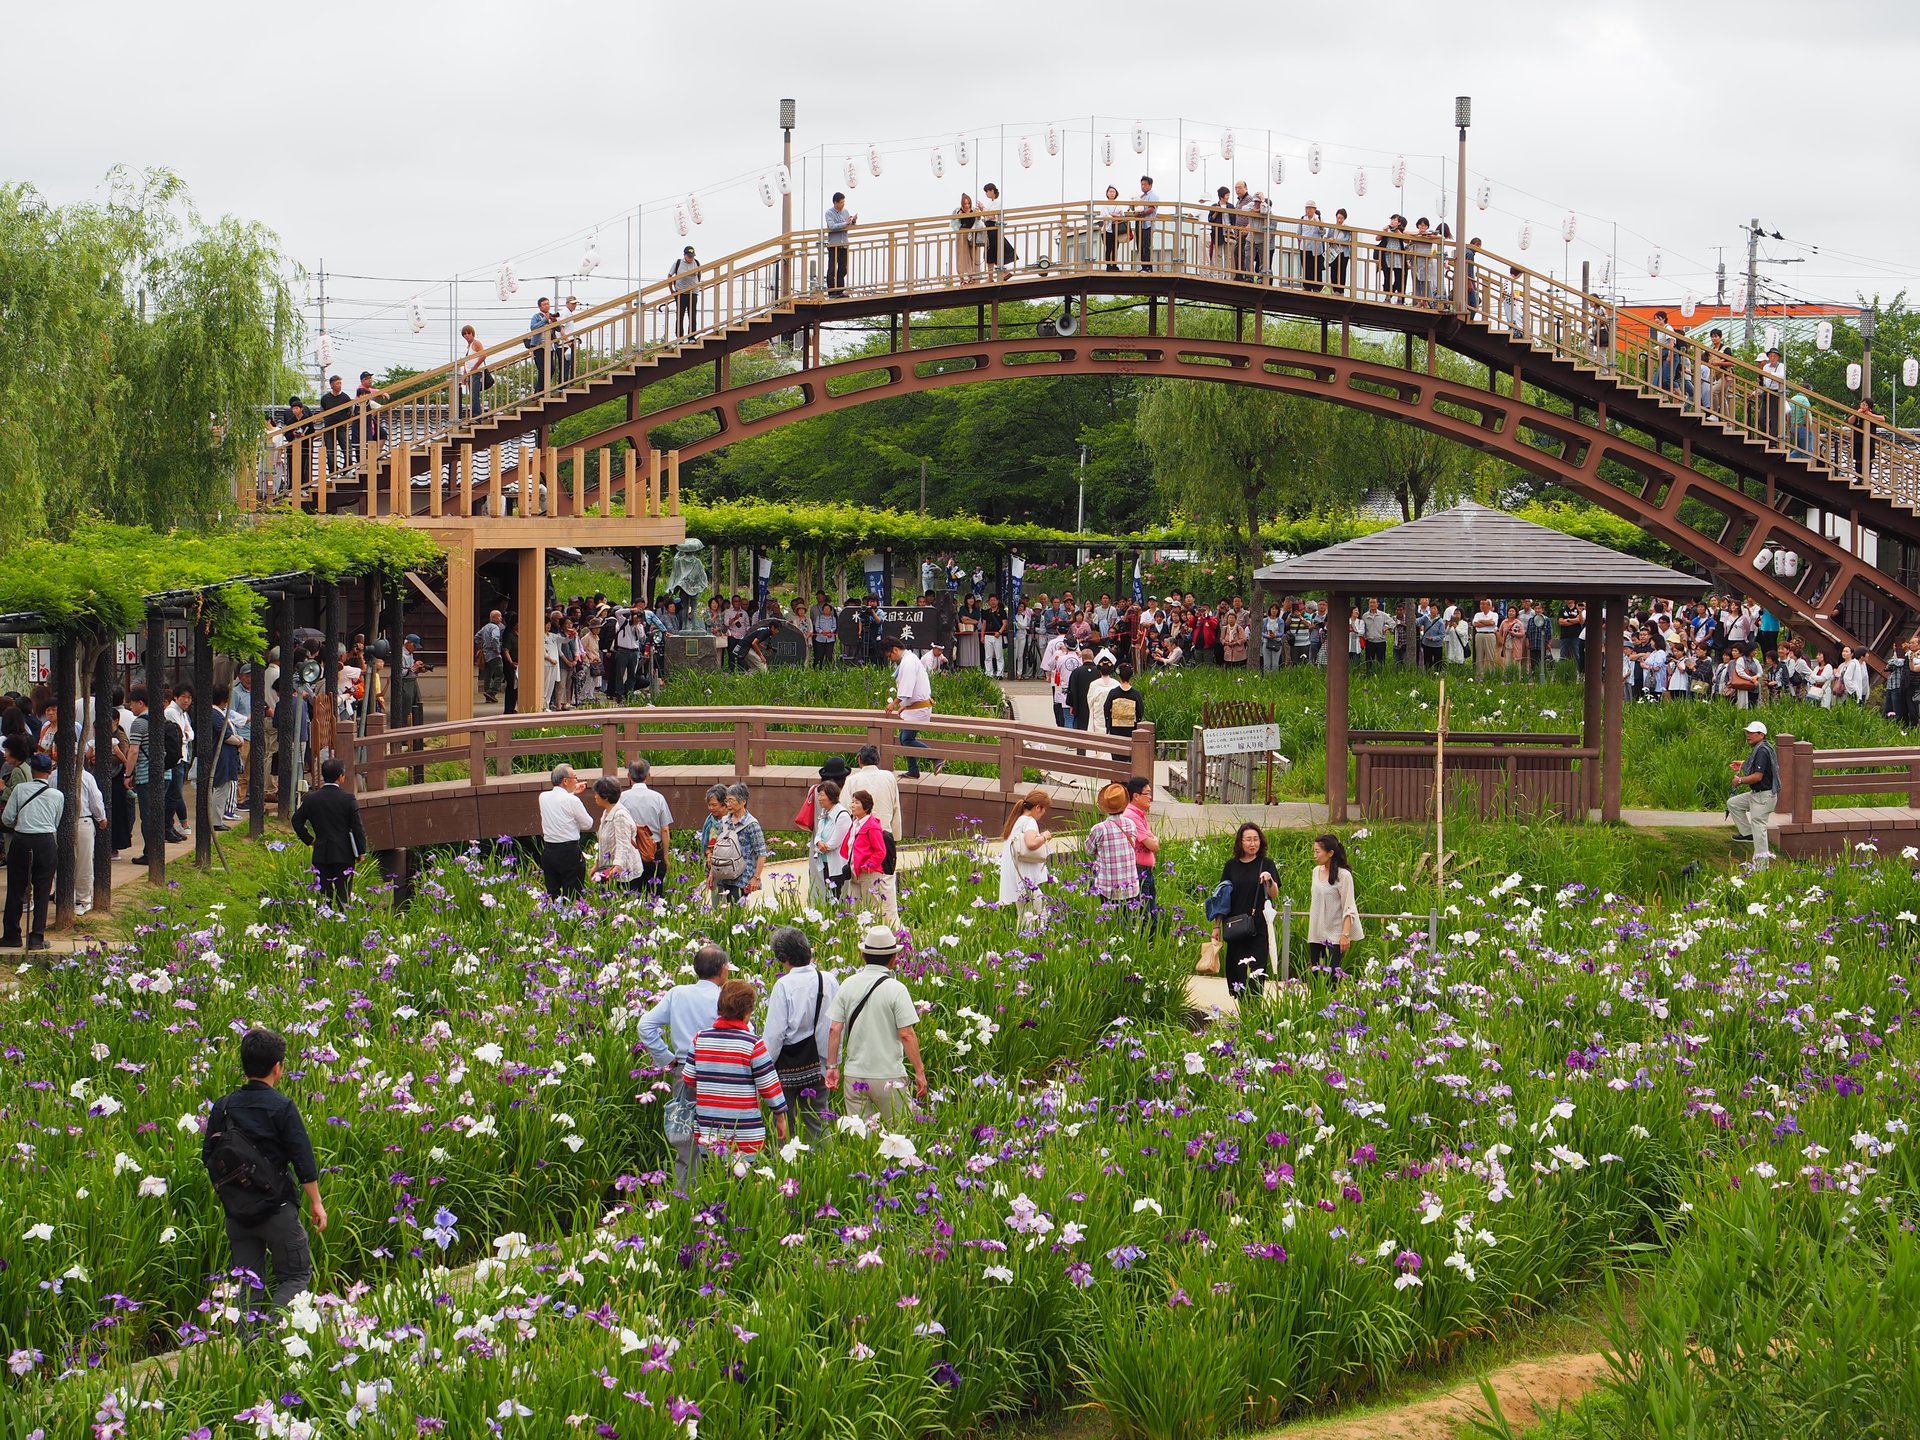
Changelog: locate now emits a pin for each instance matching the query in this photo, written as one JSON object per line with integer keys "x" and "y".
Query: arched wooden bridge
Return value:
{"x": 1532, "y": 370}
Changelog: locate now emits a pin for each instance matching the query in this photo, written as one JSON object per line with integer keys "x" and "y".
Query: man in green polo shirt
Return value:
{"x": 871, "y": 1036}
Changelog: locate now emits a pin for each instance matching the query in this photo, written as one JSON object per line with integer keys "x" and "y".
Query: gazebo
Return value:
{"x": 1468, "y": 552}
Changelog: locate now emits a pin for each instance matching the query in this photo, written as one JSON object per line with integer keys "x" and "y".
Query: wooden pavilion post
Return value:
{"x": 1592, "y": 695}
{"x": 155, "y": 823}
{"x": 1614, "y": 693}
{"x": 1336, "y": 713}
{"x": 102, "y": 721}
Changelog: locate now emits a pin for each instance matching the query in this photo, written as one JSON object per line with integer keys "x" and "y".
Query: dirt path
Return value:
{"x": 1552, "y": 1381}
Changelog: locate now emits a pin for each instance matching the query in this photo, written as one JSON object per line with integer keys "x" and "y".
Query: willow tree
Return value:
{"x": 138, "y": 345}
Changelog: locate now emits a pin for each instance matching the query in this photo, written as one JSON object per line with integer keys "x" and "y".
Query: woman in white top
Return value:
{"x": 1113, "y": 225}
{"x": 989, "y": 228}
{"x": 1459, "y": 636}
{"x": 1356, "y": 633}
{"x": 831, "y": 822}
{"x": 1023, "y": 856}
{"x": 473, "y": 370}
{"x": 1333, "y": 919}
{"x": 1820, "y": 683}
{"x": 967, "y": 235}
{"x": 1853, "y": 679}
{"x": 617, "y": 857}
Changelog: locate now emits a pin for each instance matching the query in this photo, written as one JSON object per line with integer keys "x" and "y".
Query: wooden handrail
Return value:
{"x": 924, "y": 255}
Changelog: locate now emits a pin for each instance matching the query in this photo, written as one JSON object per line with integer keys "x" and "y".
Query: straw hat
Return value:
{"x": 1112, "y": 798}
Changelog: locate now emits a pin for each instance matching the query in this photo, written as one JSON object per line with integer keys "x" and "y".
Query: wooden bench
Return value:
{"x": 1498, "y": 773}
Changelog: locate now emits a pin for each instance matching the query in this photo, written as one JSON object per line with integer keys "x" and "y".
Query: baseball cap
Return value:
{"x": 41, "y": 762}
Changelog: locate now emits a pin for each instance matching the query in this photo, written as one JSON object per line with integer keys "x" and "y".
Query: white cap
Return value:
{"x": 1756, "y": 727}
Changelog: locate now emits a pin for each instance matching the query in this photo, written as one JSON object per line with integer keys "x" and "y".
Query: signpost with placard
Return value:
{"x": 919, "y": 627}
{"x": 1244, "y": 733}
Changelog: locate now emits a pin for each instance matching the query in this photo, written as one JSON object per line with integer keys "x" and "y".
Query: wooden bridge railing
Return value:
{"x": 438, "y": 415}
{"x": 385, "y": 761}
{"x": 1807, "y": 773}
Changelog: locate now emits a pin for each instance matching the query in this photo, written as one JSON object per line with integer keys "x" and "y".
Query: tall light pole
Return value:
{"x": 787, "y": 111}
{"x": 1869, "y": 322}
{"x": 1462, "y": 117}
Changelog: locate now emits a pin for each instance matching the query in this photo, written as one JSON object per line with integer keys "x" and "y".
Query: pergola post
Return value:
{"x": 1615, "y": 694}
{"x": 1336, "y": 713}
{"x": 1593, "y": 692}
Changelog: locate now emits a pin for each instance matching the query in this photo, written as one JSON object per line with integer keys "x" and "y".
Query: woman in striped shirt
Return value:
{"x": 732, "y": 1076}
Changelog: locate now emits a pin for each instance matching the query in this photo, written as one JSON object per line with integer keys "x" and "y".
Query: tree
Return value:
{"x": 138, "y": 345}
{"x": 1418, "y": 467}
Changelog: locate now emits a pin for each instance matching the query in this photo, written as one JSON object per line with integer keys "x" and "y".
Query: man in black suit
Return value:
{"x": 329, "y": 821}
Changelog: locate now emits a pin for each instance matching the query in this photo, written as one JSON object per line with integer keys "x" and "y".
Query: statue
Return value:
{"x": 687, "y": 582}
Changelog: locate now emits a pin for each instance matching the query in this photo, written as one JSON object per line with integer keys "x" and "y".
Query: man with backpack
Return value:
{"x": 253, "y": 1137}
{"x": 871, "y": 1056}
{"x": 737, "y": 859}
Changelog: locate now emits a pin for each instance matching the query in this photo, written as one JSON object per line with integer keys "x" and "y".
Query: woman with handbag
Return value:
{"x": 617, "y": 858}
{"x": 1333, "y": 919}
{"x": 1242, "y": 931}
{"x": 966, "y": 243}
{"x": 864, "y": 848}
{"x": 1023, "y": 856}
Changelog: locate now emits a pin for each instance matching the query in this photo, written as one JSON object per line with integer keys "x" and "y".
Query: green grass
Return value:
{"x": 582, "y": 580}
{"x": 1673, "y": 756}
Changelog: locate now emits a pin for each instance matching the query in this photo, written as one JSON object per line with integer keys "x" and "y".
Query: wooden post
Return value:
{"x": 103, "y": 723}
{"x": 206, "y": 744}
{"x": 461, "y": 679}
{"x": 1593, "y": 685}
{"x": 1439, "y": 798}
{"x": 154, "y": 832}
{"x": 673, "y": 482}
{"x": 286, "y": 713}
{"x": 67, "y": 779}
{"x": 496, "y": 504}
{"x": 1614, "y": 626}
{"x": 436, "y": 456}
{"x": 532, "y": 625}
{"x": 257, "y": 744}
{"x": 653, "y": 484}
{"x": 1337, "y": 709}
{"x": 579, "y": 481}
{"x": 466, "y": 481}
{"x": 1142, "y": 758}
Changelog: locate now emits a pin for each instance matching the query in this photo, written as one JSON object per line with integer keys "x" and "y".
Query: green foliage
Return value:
{"x": 1897, "y": 336}
{"x": 571, "y": 580}
{"x": 845, "y": 530}
{"x": 140, "y": 342}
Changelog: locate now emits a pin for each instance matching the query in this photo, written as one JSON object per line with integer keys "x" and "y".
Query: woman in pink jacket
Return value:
{"x": 865, "y": 850}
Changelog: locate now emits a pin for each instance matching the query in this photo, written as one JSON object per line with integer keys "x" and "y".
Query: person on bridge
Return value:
{"x": 1756, "y": 790}
{"x": 328, "y": 820}
{"x": 336, "y": 444}
{"x": 912, "y": 698}
{"x": 684, "y": 280}
{"x": 473, "y": 371}
{"x": 563, "y": 820}
{"x": 839, "y": 223}
{"x": 1144, "y": 209}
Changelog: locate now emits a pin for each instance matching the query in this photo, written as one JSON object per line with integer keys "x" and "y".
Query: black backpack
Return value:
{"x": 249, "y": 1188}
{"x": 891, "y": 860}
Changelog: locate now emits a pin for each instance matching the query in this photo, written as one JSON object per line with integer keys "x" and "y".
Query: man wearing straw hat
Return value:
{"x": 873, "y": 1055}
{"x": 1116, "y": 878}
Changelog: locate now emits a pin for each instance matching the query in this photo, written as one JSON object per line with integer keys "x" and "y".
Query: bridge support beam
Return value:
{"x": 1337, "y": 710}
{"x": 532, "y": 627}
{"x": 460, "y": 622}
{"x": 1593, "y": 695}
{"x": 1613, "y": 626}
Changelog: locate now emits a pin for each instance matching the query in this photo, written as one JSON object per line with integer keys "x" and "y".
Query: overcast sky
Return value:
{"x": 411, "y": 144}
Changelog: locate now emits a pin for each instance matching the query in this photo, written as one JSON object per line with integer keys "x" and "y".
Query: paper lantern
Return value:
{"x": 1910, "y": 372}
{"x": 506, "y": 284}
{"x": 1053, "y": 139}
{"x": 962, "y": 150}
{"x": 1771, "y": 340}
{"x": 1606, "y": 274}
{"x": 1226, "y": 144}
{"x": 1139, "y": 138}
{"x": 590, "y": 257}
{"x": 1193, "y": 155}
{"x": 1739, "y": 306}
{"x": 1569, "y": 227}
{"x": 873, "y": 161}
{"x": 1279, "y": 171}
{"x": 693, "y": 208}
{"x": 1025, "y": 151}
{"x": 680, "y": 221}
{"x": 1763, "y": 559}
{"x": 1823, "y": 336}
{"x": 1526, "y": 237}
{"x": 939, "y": 162}
{"x": 416, "y": 315}
{"x": 1853, "y": 375}
{"x": 1313, "y": 158}
{"x": 1653, "y": 265}
{"x": 1106, "y": 151}
{"x": 1688, "y": 304}
{"x": 1399, "y": 172}
{"x": 323, "y": 350}
{"x": 1483, "y": 197}
{"x": 1360, "y": 180}
{"x": 765, "y": 186}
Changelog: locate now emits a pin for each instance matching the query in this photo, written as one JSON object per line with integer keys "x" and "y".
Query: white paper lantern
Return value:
{"x": 590, "y": 257}
{"x": 1910, "y": 372}
{"x": 765, "y": 186}
{"x": 693, "y": 208}
{"x": 1526, "y": 237}
{"x": 1139, "y": 138}
{"x": 506, "y": 284}
{"x": 1399, "y": 172}
{"x": 783, "y": 179}
{"x": 873, "y": 160}
{"x": 1106, "y": 151}
{"x": 1739, "y": 306}
{"x": 416, "y": 315}
{"x": 1279, "y": 171}
{"x": 1359, "y": 179}
{"x": 962, "y": 149}
{"x": 1823, "y": 336}
{"x": 851, "y": 172}
{"x": 680, "y": 221}
{"x": 323, "y": 350}
{"x": 1193, "y": 155}
{"x": 1606, "y": 274}
{"x": 1313, "y": 158}
{"x": 1226, "y": 144}
{"x": 1853, "y": 376}
{"x": 938, "y": 161}
{"x": 1653, "y": 265}
{"x": 1688, "y": 304}
{"x": 1053, "y": 139}
{"x": 1025, "y": 151}
{"x": 1762, "y": 560}
{"x": 1771, "y": 340}
{"x": 1483, "y": 197}
{"x": 1569, "y": 227}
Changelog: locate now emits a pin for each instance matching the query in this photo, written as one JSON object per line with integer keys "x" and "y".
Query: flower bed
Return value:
{"x": 1195, "y": 1229}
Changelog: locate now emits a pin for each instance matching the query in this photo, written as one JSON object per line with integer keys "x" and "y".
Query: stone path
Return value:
{"x": 1550, "y": 1382}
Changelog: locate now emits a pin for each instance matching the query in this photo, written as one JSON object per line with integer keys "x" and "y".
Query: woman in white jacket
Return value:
{"x": 1820, "y": 683}
{"x": 1853, "y": 676}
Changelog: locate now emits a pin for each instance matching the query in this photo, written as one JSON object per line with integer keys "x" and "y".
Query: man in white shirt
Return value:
{"x": 912, "y": 698}
{"x": 1144, "y": 209}
{"x": 563, "y": 820}
{"x": 93, "y": 823}
{"x": 651, "y": 813}
{"x": 798, "y": 1023}
{"x": 1773, "y": 384}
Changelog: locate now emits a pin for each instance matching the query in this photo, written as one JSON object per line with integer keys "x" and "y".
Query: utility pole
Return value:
{"x": 1720, "y": 276}
{"x": 1753, "y": 277}
{"x": 1462, "y": 282}
{"x": 319, "y": 365}
{"x": 788, "y": 115}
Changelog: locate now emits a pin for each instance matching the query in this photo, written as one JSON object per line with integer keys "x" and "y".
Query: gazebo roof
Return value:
{"x": 1474, "y": 548}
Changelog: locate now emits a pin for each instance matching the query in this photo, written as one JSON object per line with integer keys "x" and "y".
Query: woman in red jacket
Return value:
{"x": 865, "y": 850}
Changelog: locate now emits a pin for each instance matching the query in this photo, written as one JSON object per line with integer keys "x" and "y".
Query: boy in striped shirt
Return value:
{"x": 732, "y": 1076}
